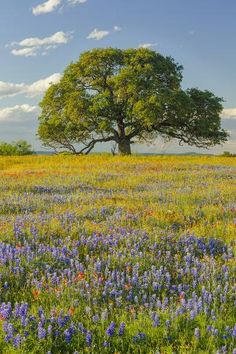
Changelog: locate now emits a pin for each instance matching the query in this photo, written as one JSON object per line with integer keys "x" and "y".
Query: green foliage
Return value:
{"x": 228, "y": 154}
{"x": 127, "y": 96}
{"x": 19, "y": 148}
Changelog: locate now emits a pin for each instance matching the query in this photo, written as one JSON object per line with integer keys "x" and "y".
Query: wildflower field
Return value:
{"x": 105, "y": 254}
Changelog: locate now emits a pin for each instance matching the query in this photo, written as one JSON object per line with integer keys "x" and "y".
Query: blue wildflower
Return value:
{"x": 89, "y": 339}
{"x": 68, "y": 336}
{"x": 139, "y": 337}
{"x": 17, "y": 341}
{"x": 111, "y": 329}
{"x": 197, "y": 332}
{"x": 41, "y": 332}
{"x": 121, "y": 329}
{"x": 168, "y": 323}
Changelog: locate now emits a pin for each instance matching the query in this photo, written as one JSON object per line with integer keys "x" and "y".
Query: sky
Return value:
{"x": 39, "y": 38}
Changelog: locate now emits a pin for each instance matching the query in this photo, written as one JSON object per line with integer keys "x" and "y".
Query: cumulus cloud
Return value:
{"x": 75, "y": 2}
{"x": 229, "y": 113}
{"x": 46, "y": 7}
{"x": 35, "y": 46}
{"x": 52, "y": 5}
{"x": 57, "y": 38}
{"x": 8, "y": 89}
{"x": 25, "y": 52}
{"x": 40, "y": 86}
{"x": 98, "y": 35}
{"x": 18, "y": 113}
{"x": 147, "y": 45}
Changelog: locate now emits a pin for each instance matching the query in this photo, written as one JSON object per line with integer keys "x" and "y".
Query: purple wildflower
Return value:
{"x": 111, "y": 329}
{"x": 17, "y": 341}
{"x": 121, "y": 329}
{"x": 68, "y": 336}
{"x": 168, "y": 323}
{"x": 41, "y": 332}
{"x": 89, "y": 339}
{"x": 197, "y": 332}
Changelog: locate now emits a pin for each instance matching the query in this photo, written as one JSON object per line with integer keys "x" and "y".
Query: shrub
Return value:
{"x": 18, "y": 148}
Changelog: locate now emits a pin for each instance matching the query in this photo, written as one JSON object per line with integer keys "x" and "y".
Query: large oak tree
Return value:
{"x": 126, "y": 96}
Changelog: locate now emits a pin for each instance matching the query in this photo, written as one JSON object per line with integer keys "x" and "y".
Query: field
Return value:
{"x": 105, "y": 254}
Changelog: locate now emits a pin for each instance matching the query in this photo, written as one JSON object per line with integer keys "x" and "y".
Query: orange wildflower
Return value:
{"x": 128, "y": 286}
{"x": 80, "y": 276}
{"x": 36, "y": 294}
{"x": 128, "y": 269}
{"x": 71, "y": 311}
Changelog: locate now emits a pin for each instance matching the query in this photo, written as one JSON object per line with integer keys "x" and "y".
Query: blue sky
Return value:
{"x": 39, "y": 38}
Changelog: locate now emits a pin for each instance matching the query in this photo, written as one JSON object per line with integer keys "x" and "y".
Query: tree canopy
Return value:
{"x": 19, "y": 148}
{"x": 127, "y": 96}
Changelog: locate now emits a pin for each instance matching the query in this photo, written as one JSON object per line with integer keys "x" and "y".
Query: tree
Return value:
{"x": 19, "y": 148}
{"x": 228, "y": 154}
{"x": 23, "y": 148}
{"x": 7, "y": 149}
{"x": 126, "y": 96}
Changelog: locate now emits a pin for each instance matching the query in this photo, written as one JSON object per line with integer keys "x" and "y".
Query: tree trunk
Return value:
{"x": 124, "y": 147}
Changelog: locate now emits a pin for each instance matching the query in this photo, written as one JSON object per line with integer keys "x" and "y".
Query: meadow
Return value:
{"x": 102, "y": 254}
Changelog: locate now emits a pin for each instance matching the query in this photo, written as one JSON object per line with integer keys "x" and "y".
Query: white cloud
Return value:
{"x": 18, "y": 113}
{"x": 98, "y": 35}
{"x": 147, "y": 45}
{"x": 25, "y": 52}
{"x": 34, "y": 46}
{"x": 8, "y": 89}
{"x": 229, "y": 113}
{"x": 39, "y": 87}
{"x": 117, "y": 28}
{"x": 46, "y": 7}
{"x": 75, "y": 2}
{"x": 57, "y": 38}
{"x": 52, "y": 5}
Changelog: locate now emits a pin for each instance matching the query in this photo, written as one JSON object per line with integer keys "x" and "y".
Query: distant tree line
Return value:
{"x": 228, "y": 154}
{"x": 18, "y": 148}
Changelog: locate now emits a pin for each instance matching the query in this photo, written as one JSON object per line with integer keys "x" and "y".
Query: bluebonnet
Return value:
{"x": 49, "y": 329}
{"x": 156, "y": 320}
{"x": 17, "y": 341}
{"x": 95, "y": 318}
{"x": 121, "y": 329}
{"x": 167, "y": 323}
{"x": 139, "y": 337}
{"x": 41, "y": 332}
{"x": 68, "y": 335}
{"x": 111, "y": 329}
{"x": 89, "y": 339}
{"x": 197, "y": 332}
{"x": 234, "y": 331}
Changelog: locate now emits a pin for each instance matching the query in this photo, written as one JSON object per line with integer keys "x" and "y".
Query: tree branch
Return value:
{"x": 92, "y": 143}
